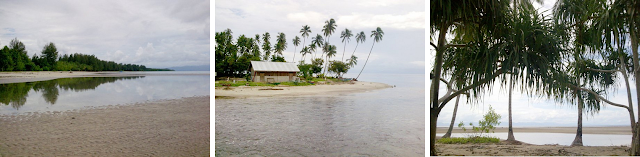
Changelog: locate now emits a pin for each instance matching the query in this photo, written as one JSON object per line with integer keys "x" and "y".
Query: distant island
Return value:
{"x": 14, "y": 58}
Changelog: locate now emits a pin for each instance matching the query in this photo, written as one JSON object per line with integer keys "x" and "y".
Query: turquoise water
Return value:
{"x": 386, "y": 122}
{"x": 79, "y": 93}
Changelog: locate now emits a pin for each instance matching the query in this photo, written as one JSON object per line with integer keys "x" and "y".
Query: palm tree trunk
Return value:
{"x": 354, "y": 50}
{"x": 343, "y": 50}
{"x": 453, "y": 119}
{"x": 294, "y": 53}
{"x": 365, "y": 64}
{"x": 510, "y": 136}
{"x": 578, "y": 140}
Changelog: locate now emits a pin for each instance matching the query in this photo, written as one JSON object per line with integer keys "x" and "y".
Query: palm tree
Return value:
{"x": 353, "y": 61}
{"x": 331, "y": 51}
{"x": 360, "y": 38}
{"x": 305, "y": 50}
{"x": 316, "y": 41}
{"x": 296, "y": 42}
{"x": 377, "y": 36}
{"x": 266, "y": 45}
{"x": 281, "y": 43}
{"x": 305, "y": 33}
{"x": 329, "y": 28}
{"x": 346, "y": 36}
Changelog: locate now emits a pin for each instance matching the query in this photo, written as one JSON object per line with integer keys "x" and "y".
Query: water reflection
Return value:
{"x": 15, "y": 94}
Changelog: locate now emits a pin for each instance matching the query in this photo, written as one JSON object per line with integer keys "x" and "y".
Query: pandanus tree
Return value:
{"x": 483, "y": 50}
{"x": 578, "y": 19}
{"x": 296, "y": 42}
{"x": 377, "y": 36}
{"x": 346, "y": 37}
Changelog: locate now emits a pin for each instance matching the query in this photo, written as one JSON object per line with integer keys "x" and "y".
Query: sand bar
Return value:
{"x": 178, "y": 127}
{"x": 617, "y": 130}
{"x": 262, "y": 91}
{"x": 32, "y": 76}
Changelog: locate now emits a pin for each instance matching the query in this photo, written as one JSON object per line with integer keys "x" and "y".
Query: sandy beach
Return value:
{"x": 178, "y": 127}
{"x": 252, "y": 91}
{"x": 518, "y": 149}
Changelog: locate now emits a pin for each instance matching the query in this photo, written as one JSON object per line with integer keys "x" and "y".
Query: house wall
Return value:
{"x": 273, "y": 76}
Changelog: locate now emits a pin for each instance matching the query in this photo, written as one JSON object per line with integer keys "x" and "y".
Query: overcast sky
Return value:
{"x": 154, "y": 33}
{"x": 401, "y": 50}
{"x": 532, "y": 110}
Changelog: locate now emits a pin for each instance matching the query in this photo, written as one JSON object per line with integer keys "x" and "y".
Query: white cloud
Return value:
{"x": 411, "y": 20}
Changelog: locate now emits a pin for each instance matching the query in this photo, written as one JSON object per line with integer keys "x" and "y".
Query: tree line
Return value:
{"x": 575, "y": 56}
{"x": 233, "y": 57}
{"x": 14, "y": 58}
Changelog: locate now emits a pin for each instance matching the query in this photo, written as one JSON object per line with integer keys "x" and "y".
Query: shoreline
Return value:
{"x": 616, "y": 130}
{"x": 172, "y": 127}
{"x": 33, "y": 76}
{"x": 312, "y": 90}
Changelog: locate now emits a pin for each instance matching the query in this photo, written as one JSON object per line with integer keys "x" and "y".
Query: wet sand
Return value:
{"x": 528, "y": 150}
{"x": 253, "y": 91}
{"x": 178, "y": 127}
{"x": 519, "y": 149}
{"x": 32, "y": 76}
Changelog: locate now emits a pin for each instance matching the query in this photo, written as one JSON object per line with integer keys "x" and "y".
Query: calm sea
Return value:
{"x": 79, "y": 93}
{"x": 386, "y": 122}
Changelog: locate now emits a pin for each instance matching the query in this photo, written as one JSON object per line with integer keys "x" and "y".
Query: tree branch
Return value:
{"x": 449, "y": 89}
{"x": 456, "y": 45}
{"x": 434, "y": 45}
{"x": 598, "y": 96}
{"x": 605, "y": 71}
{"x": 474, "y": 85}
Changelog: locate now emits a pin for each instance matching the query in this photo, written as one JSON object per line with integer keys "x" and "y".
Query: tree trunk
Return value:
{"x": 343, "y": 50}
{"x": 432, "y": 140}
{"x": 365, "y": 64}
{"x": 510, "y": 136}
{"x": 578, "y": 140}
{"x": 635, "y": 142}
{"x": 453, "y": 119}
{"x": 354, "y": 50}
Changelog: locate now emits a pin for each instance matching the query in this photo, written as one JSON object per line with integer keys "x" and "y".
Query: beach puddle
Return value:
{"x": 78, "y": 93}
{"x": 560, "y": 138}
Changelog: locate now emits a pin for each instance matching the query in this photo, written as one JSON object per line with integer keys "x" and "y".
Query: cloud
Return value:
{"x": 411, "y": 20}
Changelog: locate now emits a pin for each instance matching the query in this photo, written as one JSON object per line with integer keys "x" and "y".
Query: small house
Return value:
{"x": 262, "y": 71}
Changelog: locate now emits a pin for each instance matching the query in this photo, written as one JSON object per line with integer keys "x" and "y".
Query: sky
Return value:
{"x": 157, "y": 34}
{"x": 401, "y": 49}
{"x": 535, "y": 111}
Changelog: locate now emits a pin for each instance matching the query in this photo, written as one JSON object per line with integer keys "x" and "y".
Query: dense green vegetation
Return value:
{"x": 14, "y": 58}
{"x": 233, "y": 57}
{"x": 15, "y": 94}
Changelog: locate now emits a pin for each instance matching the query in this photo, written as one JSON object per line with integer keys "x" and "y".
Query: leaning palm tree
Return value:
{"x": 360, "y": 38}
{"x": 316, "y": 41}
{"x": 377, "y": 36}
{"x": 346, "y": 36}
{"x": 296, "y": 42}
{"x": 329, "y": 28}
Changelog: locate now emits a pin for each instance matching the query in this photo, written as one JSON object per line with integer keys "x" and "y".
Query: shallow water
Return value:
{"x": 561, "y": 138}
{"x": 387, "y": 122}
{"x": 78, "y": 93}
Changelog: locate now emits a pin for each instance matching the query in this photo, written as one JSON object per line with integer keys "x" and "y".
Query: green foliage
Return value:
{"x": 491, "y": 119}
{"x": 276, "y": 58}
{"x": 465, "y": 140}
{"x": 305, "y": 70}
{"x": 338, "y": 67}
{"x": 244, "y": 83}
{"x": 234, "y": 58}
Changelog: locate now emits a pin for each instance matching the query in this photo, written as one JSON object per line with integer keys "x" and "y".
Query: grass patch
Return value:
{"x": 245, "y": 83}
{"x": 464, "y": 140}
